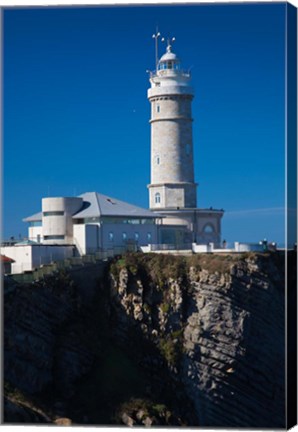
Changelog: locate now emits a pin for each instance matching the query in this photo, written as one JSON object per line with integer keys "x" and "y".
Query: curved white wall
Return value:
{"x": 57, "y": 221}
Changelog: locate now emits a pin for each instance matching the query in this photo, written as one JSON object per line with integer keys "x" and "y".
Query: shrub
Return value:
{"x": 171, "y": 347}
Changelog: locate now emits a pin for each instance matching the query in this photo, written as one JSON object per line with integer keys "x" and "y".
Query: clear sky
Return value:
{"x": 76, "y": 111}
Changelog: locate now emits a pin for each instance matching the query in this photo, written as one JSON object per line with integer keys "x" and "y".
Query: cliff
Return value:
{"x": 218, "y": 322}
{"x": 160, "y": 340}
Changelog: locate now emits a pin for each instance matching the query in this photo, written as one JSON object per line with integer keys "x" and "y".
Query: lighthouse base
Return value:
{"x": 186, "y": 226}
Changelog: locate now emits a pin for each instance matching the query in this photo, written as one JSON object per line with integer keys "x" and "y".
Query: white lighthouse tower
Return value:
{"x": 172, "y": 172}
{"x": 172, "y": 188}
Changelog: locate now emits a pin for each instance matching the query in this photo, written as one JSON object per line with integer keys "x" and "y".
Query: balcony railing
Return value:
{"x": 170, "y": 72}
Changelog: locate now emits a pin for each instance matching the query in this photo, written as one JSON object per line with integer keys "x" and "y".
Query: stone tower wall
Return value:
{"x": 172, "y": 167}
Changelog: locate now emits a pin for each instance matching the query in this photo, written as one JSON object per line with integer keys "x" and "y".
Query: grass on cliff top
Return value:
{"x": 159, "y": 267}
{"x": 162, "y": 267}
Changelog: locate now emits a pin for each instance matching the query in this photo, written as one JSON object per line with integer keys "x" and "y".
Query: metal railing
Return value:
{"x": 171, "y": 246}
{"x": 170, "y": 72}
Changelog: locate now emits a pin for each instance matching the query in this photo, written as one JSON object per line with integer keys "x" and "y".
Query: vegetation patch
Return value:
{"x": 170, "y": 347}
{"x": 157, "y": 267}
{"x": 139, "y": 411}
{"x": 213, "y": 263}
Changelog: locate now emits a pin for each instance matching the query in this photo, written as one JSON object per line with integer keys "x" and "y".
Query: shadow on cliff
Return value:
{"x": 130, "y": 381}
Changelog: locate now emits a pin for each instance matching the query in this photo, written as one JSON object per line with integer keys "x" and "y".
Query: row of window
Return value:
{"x": 53, "y": 213}
{"x": 168, "y": 65}
{"x": 115, "y": 220}
{"x": 124, "y": 236}
{"x": 54, "y": 237}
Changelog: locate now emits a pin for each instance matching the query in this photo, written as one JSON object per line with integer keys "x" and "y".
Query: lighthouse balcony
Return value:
{"x": 175, "y": 73}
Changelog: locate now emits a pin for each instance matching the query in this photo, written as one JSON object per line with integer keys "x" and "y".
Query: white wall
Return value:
{"x": 29, "y": 257}
{"x": 22, "y": 255}
{"x": 59, "y": 225}
{"x": 34, "y": 232}
{"x": 79, "y": 238}
{"x": 86, "y": 238}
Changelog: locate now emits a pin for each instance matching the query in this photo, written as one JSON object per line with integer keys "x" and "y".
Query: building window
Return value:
{"x": 137, "y": 236}
{"x": 157, "y": 198}
{"x": 158, "y": 108}
{"x": 157, "y": 159}
{"x": 208, "y": 229}
{"x": 124, "y": 236}
{"x": 91, "y": 220}
{"x": 53, "y": 213}
{"x": 36, "y": 224}
{"x": 149, "y": 237}
{"x": 54, "y": 237}
{"x": 111, "y": 236}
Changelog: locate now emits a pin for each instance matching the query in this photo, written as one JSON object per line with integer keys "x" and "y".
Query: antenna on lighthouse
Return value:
{"x": 156, "y": 36}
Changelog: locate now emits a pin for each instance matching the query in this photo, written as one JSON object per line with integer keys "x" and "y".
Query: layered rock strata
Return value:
{"x": 221, "y": 333}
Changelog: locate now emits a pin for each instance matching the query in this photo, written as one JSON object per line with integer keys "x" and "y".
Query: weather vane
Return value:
{"x": 169, "y": 41}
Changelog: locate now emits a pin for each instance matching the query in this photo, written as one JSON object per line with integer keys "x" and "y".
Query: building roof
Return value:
{"x": 34, "y": 218}
{"x": 5, "y": 259}
{"x": 97, "y": 205}
{"x": 169, "y": 55}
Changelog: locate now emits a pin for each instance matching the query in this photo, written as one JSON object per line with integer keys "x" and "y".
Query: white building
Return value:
{"x": 172, "y": 190}
{"x": 92, "y": 222}
{"x": 77, "y": 226}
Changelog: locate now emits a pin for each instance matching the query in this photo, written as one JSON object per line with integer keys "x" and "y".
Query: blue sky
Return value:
{"x": 76, "y": 111}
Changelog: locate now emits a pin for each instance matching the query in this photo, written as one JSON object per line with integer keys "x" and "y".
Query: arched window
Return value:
{"x": 208, "y": 228}
{"x": 157, "y": 198}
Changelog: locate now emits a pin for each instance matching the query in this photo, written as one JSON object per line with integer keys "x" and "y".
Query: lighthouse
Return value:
{"x": 172, "y": 167}
{"x": 172, "y": 188}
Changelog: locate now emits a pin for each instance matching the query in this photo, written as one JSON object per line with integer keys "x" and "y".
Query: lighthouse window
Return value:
{"x": 170, "y": 65}
{"x": 157, "y": 159}
{"x": 158, "y": 108}
{"x": 157, "y": 198}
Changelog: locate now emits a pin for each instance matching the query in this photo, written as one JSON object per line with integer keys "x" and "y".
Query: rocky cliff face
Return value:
{"x": 49, "y": 344}
{"x": 218, "y": 322}
{"x": 160, "y": 340}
